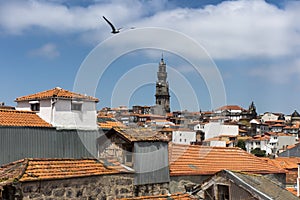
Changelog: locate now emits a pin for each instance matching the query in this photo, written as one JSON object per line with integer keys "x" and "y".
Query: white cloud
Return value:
{"x": 244, "y": 28}
{"x": 48, "y": 50}
{"x": 283, "y": 73}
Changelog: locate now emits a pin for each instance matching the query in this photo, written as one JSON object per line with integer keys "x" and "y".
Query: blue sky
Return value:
{"x": 255, "y": 45}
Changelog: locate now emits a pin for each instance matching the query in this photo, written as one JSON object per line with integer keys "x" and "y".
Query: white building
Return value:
{"x": 233, "y": 112}
{"x": 199, "y": 127}
{"x": 280, "y": 141}
{"x": 268, "y": 116}
{"x": 62, "y": 108}
{"x": 183, "y": 137}
{"x": 261, "y": 142}
{"x": 214, "y": 129}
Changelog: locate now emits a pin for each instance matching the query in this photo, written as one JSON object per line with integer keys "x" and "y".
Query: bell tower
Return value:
{"x": 162, "y": 94}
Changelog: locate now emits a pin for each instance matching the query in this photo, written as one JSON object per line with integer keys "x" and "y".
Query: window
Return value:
{"x": 223, "y": 192}
{"x": 257, "y": 143}
{"x": 209, "y": 193}
{"x": 127, "y": 154}
{"x": 35, "y": 106}
{"x": 76, "y": 106}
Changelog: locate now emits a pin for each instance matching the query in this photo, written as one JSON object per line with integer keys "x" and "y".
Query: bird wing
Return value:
{"x": 111, "y": 25}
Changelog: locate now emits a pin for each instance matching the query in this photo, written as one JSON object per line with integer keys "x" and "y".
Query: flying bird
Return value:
{"x": 114, "y": 30}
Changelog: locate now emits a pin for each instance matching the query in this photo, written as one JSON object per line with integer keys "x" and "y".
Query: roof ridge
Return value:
{"x": 59, "y": 159}
{"x": 17, "y": 111}
{"x": 55, "y": 92}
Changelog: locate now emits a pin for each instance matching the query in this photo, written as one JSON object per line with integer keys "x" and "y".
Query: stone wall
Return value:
{"x": 178, "y": 183}
{"x": 94, "y": 187}
{"x": 151, "y": 189}
{"x": 114, "y": 147}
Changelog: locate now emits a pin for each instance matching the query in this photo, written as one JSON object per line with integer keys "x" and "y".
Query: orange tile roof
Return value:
{"x": 21, "y": 118}
{"x": 203, "y": 160}
{"x": 285, "y": 162}
{"x": 230, "y": 107}
{"x": 111, "y": 124}
{"x": 292, "y": 190}
{"x": 179, "y": 196}
{"x": 57, "y": 93}
{"x": 31, "y": 169}
{"x": 264, "y": 138}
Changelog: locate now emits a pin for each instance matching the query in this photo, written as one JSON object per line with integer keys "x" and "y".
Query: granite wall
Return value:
{"x": 94, "y": 187}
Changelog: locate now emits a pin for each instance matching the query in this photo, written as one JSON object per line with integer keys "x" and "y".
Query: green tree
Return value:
{"x": 258, "y": 152}
{"x": 241, "y": 144}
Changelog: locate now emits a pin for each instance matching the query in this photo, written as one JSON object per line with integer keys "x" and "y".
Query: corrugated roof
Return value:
{"x": 21, "y": 118}
{"x": 179, "y": 196}
{"x": 57, "y": 93}
{"x": 32, "y": 169}
{"x": 203, "y": 160}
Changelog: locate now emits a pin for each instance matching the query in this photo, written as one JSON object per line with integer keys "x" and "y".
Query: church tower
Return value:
{"x": 162, "y": 94}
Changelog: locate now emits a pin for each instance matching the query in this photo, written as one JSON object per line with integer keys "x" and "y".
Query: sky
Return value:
{"x": 217, "y": 52}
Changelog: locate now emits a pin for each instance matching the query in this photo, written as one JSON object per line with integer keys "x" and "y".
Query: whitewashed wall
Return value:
{"x": 183, "y": 137}
{"x": 61, "y": 115}
{"x": 214, "y": 129}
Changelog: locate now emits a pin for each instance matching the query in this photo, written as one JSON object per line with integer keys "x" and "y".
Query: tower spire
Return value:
{"x": 162, "y": 94}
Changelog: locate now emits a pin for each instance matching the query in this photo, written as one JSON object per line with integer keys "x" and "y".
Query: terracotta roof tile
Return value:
{"x": 111, "y": 124}
{"x": 292, "y": 190}
{"x": 21, "y": 118}
{"x": 179, "y": 196}
{"x": 48, "y": 168}
{"x": 285, "y": 162}
{"x": 203, "y": 160}
{"x": 230, "y": 107}
{"x": 56, "y": 92}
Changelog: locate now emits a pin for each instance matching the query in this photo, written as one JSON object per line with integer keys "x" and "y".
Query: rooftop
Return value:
{"x": 284, "y": 162}
{"x": 138, "y": 134}
{"x": 21, "y": 118}
{"x": 260, "y": 186}
{"x": 179, "y": 196}
{"x": 32, "y": 169}
{"x": 203, "y": 160}
{"x": 230, "y": 107}
{"x": 56, "y": 93}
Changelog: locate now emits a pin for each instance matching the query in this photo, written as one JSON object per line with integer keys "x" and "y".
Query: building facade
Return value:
{"x": 61, "y": 108}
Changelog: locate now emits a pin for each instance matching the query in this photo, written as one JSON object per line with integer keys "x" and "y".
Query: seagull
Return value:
{"x": 114, "y": 30}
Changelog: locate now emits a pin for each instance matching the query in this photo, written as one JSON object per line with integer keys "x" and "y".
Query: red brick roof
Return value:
{"x": 56, "y": 92}
{"x": 202, "y": 160}
{"x": 21, "y": 118}
{"x": 48, "y": 168}
{"x": 179, "y": 196}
